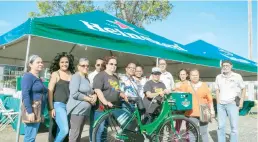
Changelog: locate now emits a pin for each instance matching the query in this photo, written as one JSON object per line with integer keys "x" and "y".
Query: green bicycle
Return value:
{"x": 129, "y": 126}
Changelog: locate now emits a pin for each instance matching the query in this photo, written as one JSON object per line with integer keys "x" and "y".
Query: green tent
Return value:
{"x": 99, "y": 34}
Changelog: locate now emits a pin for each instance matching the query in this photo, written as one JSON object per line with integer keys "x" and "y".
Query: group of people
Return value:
{"x": 74, "y": 96}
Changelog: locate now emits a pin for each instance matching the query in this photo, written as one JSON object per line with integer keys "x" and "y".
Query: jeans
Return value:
{"x": 31, "y": 130}
{"x": 120, "y": 115}
{"x": 61, "y": 121}
{"x": 232, "y": 111}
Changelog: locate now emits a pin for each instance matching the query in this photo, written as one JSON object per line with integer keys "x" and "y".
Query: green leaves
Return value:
{"x": 135, "y": 12}
{"x": 140, "y": 12}
{"x": 55, "y": 8}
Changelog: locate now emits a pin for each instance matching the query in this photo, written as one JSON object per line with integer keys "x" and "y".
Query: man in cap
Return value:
{"x": 154, "y": 88}
{"x": 165, "y": 77}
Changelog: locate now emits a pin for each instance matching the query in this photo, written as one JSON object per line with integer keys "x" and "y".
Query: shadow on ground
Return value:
{"x": 42, "y": 128}
{"x": 85, "y": 139}
{"x": 214, "y": 136}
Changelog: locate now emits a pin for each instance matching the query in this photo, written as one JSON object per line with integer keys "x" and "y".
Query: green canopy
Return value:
{"x": 95, "y": 31}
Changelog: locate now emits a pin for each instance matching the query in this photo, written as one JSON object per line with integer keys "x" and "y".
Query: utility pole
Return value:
{"x": 250, "y": 52}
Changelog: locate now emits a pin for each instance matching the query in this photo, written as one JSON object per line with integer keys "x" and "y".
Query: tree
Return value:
{"x": 135, "y": 12}
{"x": 140, "y": 12}
{"x": 55, "y": 8}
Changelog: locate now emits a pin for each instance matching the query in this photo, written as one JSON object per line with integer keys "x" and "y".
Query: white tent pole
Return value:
{"x": 25, "y": 69}
{"x": 157, "y": 62}
{"x": 250, "y": 48}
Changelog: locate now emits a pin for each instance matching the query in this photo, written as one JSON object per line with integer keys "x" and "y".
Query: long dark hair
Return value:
{"x": 55, "y": 63}
{"x": 187, "y": 72}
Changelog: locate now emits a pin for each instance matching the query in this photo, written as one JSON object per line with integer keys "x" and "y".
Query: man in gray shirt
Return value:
{"x": 154, "y": 89}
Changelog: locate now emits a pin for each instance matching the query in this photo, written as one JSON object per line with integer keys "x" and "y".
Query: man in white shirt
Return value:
{"x": 98, "y": 68}
{"x": 165, "y": 77}
{"x": 229, "y": 100}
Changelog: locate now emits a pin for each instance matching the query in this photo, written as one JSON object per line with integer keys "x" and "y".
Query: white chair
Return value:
{"x": 8, "y": 116}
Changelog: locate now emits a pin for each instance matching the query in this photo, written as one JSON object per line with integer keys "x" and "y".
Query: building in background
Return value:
{"x": 251, "y": 90}
{"x": 8, "y": 74}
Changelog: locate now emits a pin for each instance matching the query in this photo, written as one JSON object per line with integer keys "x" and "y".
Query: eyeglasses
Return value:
{"x": 98, "y": 65}
{"x": 156, "y": 74}
{"x": 225, "y": 66}
{"x": 84, "y": 66}
{"x": 112, "y": 64}
{"x": 131, "y": 68}
{"x": 162, "y": 64}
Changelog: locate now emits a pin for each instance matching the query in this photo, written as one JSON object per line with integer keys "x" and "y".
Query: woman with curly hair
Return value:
{"x": 61, "y": 70}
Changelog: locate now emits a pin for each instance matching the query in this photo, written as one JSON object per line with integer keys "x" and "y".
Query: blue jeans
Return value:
{"x": 31, "y": 130}
{"x": 232, "y": 111}
{"x": 61, "y": 121}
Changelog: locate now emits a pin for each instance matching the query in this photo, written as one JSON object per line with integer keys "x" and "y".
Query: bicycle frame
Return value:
{"x": 150, "y": 128}
{"x": 165, "y": 114}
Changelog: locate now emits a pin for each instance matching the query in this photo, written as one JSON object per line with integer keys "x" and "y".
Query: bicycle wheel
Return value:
{"x": 187, "y": 131}
{"x": 109, "y": 129}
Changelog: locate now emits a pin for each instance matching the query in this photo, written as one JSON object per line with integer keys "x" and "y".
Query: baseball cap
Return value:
{"x": 156, "y": 71}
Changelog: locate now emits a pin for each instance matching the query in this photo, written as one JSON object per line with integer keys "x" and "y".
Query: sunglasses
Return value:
{"x": 98, "y": 65}
{"x": 112, "y": 64}
{"x": 156, "y": 73}
{"x": 84, "y": 66}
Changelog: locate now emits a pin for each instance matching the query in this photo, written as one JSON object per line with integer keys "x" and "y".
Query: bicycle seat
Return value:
{"x": 133, "y": 99}
{"x": 158, "y": 100}
{"x": 139, "y": 102}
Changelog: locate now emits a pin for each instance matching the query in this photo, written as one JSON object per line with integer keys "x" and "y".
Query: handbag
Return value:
{"x": 139, "y": 101}
{"x": 36, "y": 109}
{"x": 205, "y": 112}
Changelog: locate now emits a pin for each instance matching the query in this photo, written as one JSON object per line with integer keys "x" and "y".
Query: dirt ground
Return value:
{"x": 247, "y": 131}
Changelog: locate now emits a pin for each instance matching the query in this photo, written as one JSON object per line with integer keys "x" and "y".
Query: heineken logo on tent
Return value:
{"x": 122, "y": 26}
{"x": 231, "y": 56}
{"x": 120, "y": 30}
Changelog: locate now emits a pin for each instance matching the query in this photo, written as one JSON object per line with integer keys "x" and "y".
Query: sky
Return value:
{"x": 223, "y": 24}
